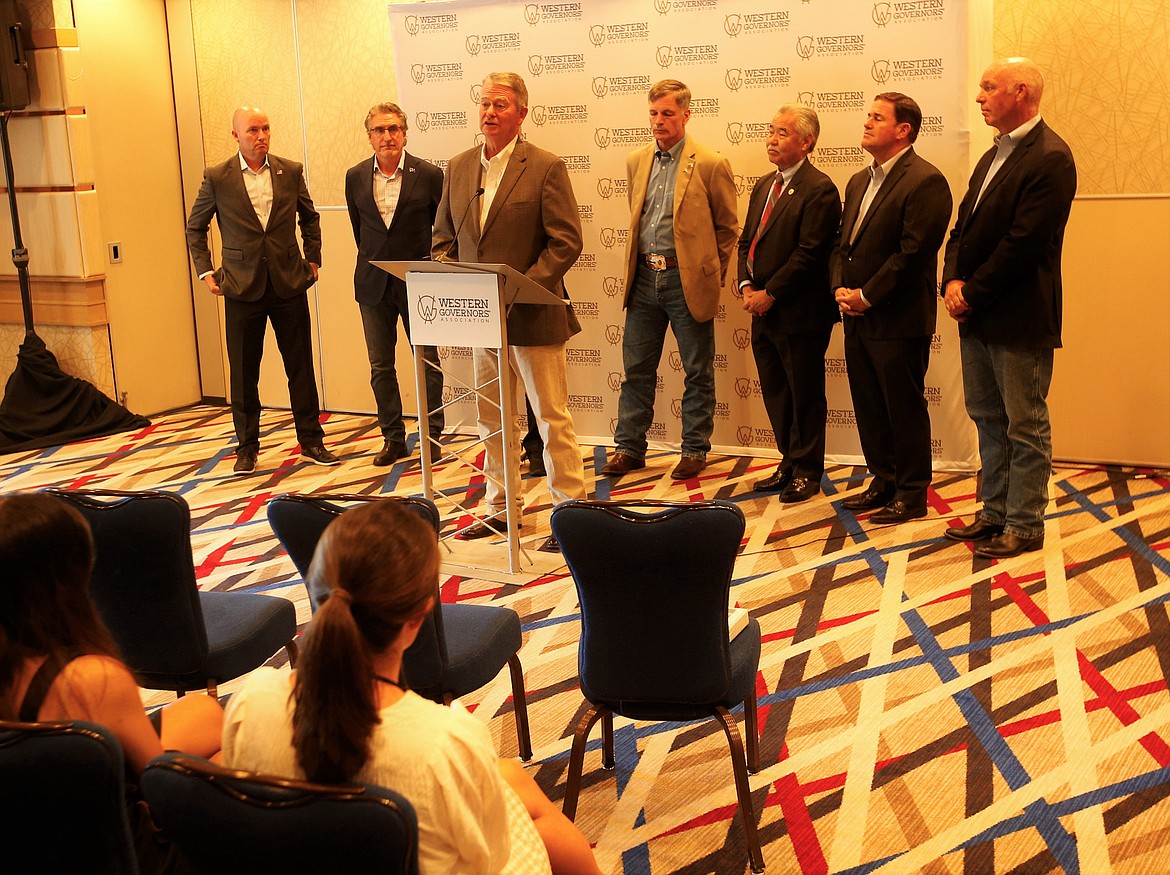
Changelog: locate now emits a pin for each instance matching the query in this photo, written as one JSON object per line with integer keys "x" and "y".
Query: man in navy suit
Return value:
{"x": 791, "y": 224}
{"x": 884, "y": 271}
{"x": 257, "y": 200}
{"x": 392, "y": 200}
{"x": 1001, "y": 282}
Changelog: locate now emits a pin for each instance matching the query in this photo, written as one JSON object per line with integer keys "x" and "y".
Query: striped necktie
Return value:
{"x": 773, "y": 196}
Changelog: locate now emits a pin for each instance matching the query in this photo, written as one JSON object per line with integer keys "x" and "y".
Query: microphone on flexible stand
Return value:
{"x": 467, "y": 212}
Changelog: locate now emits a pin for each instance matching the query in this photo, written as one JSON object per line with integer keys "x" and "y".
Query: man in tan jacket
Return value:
{"x": 683, "y": 232}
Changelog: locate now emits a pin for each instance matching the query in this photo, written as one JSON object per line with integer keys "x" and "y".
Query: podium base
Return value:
{"x": 488, "y": 558}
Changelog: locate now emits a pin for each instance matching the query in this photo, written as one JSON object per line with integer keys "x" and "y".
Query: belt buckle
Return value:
{"x": 657, "y": 262}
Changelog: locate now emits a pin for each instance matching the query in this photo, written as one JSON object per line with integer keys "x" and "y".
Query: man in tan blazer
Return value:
{"x": 683, "y": 232}
{"x": 511, "y": 203}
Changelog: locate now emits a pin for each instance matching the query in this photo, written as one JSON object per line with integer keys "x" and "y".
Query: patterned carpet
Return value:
{"x": 921, "y": 710}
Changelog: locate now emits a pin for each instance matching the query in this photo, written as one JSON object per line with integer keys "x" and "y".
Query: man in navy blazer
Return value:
{"x": 1001, "y": 281}
{"x": 792, "y": 220}
{"x": 257, "y": 200}
{"x": 392, "y": 200}
{"x": 884, "y": 271}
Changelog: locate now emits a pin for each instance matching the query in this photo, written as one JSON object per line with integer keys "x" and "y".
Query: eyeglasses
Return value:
{"x": 394, "y": 130}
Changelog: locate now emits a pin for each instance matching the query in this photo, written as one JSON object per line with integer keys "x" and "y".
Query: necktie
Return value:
{"x": 773, "y": 196}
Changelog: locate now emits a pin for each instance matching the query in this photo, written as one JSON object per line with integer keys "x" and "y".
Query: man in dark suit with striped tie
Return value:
{"x": 791, "y": 224}
{"x": 392, "y": 200}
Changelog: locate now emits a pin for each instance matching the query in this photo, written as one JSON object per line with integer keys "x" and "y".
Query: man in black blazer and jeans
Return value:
{"x": 1001, "y": 279}
{"x": 791, "y": 223}
{"x": 392, "y": 200}
{"x": 884, "y": 272}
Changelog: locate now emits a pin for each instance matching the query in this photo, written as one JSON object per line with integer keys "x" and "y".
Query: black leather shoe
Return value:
{"x": 977, "y": 531}
{"x": 800, "y": 489}
{"x": 318, "y": 455}
{"x": 536, "y": 467}
{"x": 391, "y": 452}
{"x": 493, "y": 526}
{"x": 776, "y": 482}
{"x": 622, "y": 463}
{"x": 550, "y": 545}
{"x": 1007, "y": 545}
{"x": 688, "y": 467}
{"x": 868, "y": 500}
{"x": 897, "y": 511}
{"x": 245, "y": 461}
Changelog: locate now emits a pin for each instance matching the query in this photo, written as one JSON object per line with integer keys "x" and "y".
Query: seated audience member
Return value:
{"x": 58, "y": 660}
{"x": 344, "y": 714}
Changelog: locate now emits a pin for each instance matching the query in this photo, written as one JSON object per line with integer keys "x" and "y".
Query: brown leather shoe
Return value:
{"x": 492, "y": 526}
{"x": 979, "y": 530}
{"x": 622, "y": 463}
{"x": 688, "y": 467}
{"x": 1007, "y": 545}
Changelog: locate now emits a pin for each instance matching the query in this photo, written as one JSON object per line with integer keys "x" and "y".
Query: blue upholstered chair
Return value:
{"x": 459, "y": 649}
{"x": 225, "y": 820}
{"x": 653, "y": 579}
{"x": 170, "y": 634}
{"x": 63, "y": 800}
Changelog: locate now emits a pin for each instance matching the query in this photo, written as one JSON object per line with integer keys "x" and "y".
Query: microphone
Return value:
{"x": 467, "y": 212}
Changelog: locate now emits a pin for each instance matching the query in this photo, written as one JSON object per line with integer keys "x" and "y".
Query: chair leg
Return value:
{"x": 751, "y": 725}
{"x": 577, "y": 759}
{"x": 520, "y": 706}
{"x": 607, "y": 758}
{"x": 742, "y": 790}
{"x": 293, "y": 652}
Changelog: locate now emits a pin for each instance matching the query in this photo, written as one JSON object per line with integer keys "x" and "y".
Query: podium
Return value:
{"x": 454, "y": 303}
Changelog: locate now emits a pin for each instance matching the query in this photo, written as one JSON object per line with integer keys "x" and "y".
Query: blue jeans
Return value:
{"x": 1007, "y": 390}
{"x": 656, "y": 302}
{"x": 380, "y": 326}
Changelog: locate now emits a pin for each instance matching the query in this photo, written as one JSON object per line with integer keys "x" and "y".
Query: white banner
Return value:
{"x": 588, "y": 66}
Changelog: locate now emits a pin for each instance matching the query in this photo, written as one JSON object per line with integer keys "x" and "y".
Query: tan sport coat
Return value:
{"x": 706, "y": 222}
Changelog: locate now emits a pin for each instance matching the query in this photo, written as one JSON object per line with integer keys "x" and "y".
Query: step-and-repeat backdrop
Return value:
{"x": 588, "y": 66}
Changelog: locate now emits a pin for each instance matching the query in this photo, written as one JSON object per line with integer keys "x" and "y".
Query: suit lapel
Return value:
{"x": 235, "y": 178}
{"x": 1012, "y": 161}
{"x": 408, "y": 177}
{"x": 683, "y": 178}
{"x": 888, "y": 185}
{"x": 517, "y": 164}
{"x": 641, "y": 181}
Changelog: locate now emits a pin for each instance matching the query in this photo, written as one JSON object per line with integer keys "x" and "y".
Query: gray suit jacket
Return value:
{"x": 533, "y": 226}
{"x": 251, "y": 254}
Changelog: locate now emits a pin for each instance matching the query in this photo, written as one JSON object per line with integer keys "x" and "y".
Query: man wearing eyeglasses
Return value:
{"x": 392, "y": 202}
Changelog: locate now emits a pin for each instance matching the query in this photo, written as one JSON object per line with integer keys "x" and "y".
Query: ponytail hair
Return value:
{"x": 380, "y": 565}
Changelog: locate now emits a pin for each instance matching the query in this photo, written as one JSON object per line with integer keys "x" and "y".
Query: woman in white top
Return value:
{"x": 344, "y": 714}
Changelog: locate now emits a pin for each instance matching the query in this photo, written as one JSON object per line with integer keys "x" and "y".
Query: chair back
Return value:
{"x": 653, "y": 580}
{"x": 143, "y": 581}
{"x": 300, "y": 520}
{"x": 63, "y": 799}
{"x": 229, "y": 820}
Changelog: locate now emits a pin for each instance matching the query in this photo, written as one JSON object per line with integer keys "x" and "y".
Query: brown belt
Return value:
{"x": 654, "y": 261}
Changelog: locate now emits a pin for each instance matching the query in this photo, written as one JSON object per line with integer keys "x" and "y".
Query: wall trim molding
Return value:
{"x": 57, "y": 300}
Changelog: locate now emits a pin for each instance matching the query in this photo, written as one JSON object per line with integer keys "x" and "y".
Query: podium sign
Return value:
{"x": 454, "y": 309}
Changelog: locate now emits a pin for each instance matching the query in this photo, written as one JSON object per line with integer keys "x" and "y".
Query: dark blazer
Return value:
{"x": 251, "y": 254}
{"x": 409, "y": 234}
{"x": 1008, "y": 250}
{"x": 533, "y": 226}
{"x": 792, "y": 258}
{"x": 894, "y": 259}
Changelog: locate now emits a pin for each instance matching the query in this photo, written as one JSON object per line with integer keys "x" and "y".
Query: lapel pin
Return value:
{"x": 792, "y": 191}
{"x": 279, "y": 172}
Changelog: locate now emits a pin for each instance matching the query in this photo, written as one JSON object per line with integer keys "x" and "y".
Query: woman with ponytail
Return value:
{"x": 345, "y": 715}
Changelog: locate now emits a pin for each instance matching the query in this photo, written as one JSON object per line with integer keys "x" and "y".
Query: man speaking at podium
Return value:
{"x": 511, "y": 203}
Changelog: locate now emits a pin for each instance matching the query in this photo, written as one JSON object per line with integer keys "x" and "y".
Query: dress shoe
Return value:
{"x": 688, "y": 467}
{"x": 550, "y": 545}
{"x": 897, "y": 511}
{"x": 318, "y": 455}
{"x": 622, "y": 463}
{"x": 800, "y": 489}
{"x": 1006, "y": 545}
{"x": 868, "y": 500}
{"x": 977, "y": 531}
{"x": 536, "y": 467}
{"x": 777, "y": 482}
{"x": 245, "y": 461}
{"x": 392, "y": 451}
{"x": 493, "y": 526}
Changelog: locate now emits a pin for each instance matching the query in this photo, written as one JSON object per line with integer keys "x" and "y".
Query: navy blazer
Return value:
{"x": 1008, "y": 249}
{"x": 791, "y": 261}
{"x": 894, "y": 258}
{"x": 409, "y": 236}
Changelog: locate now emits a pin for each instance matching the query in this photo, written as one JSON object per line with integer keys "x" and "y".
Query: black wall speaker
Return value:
{"x": 13, "y": 64}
